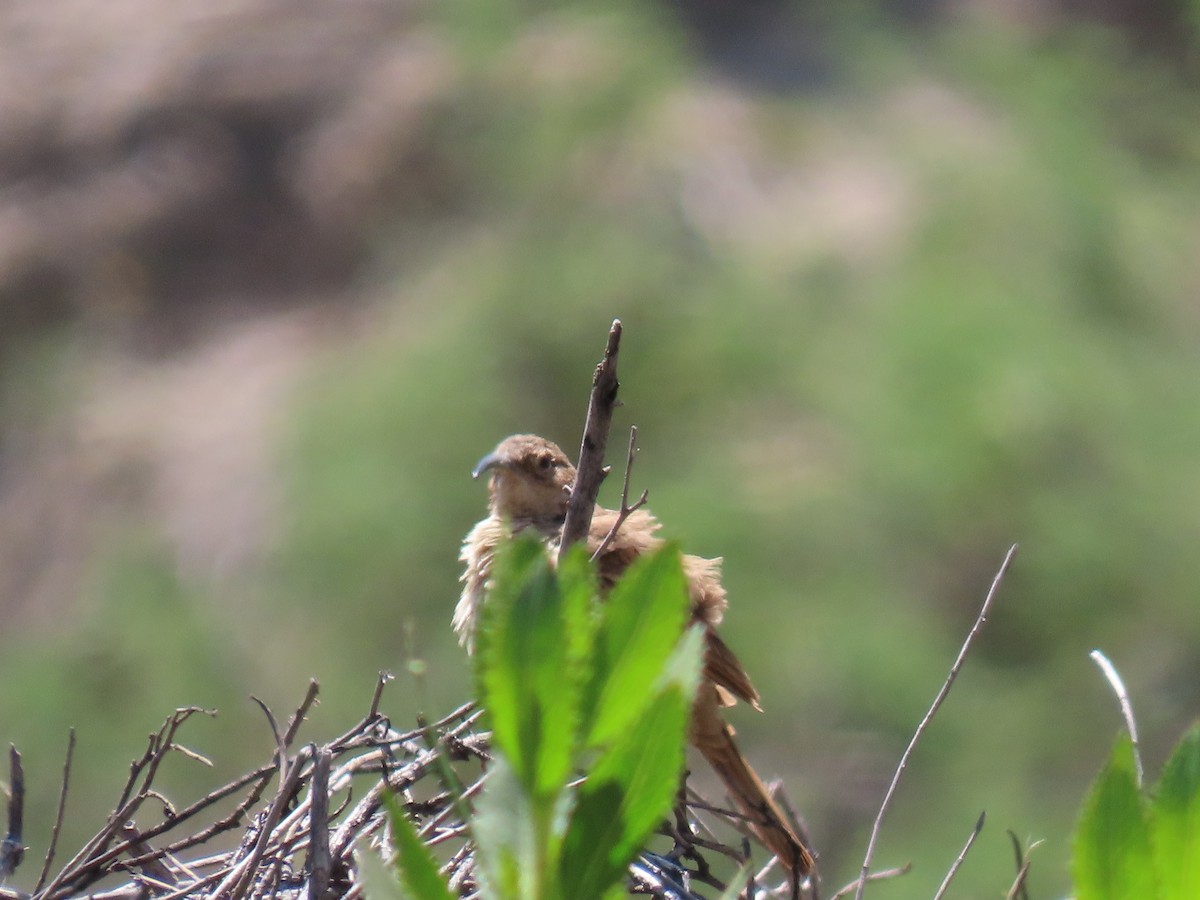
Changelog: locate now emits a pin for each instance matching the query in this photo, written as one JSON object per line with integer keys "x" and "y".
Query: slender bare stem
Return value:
{"x": 320, "y": 864}
{"x": 962, "y": 855}
{"x": 882, "y": 875}
{"x": 12, "y": 848}
{"x": 58, "y": 816}
{"x": 924, "y": 724}
{"x": 626, "y": 510}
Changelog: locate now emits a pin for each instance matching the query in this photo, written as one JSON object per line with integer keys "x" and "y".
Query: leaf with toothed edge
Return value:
{"x": 1175, "y": 821}
{"x": 641, "y": 622}
{"x": 1112, "y": 852}
{"x": 530, "y": 662}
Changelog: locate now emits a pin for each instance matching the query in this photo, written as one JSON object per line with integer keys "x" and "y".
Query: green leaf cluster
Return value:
{"x": 1141, "y": 842}
{"x": 573, "y": 687}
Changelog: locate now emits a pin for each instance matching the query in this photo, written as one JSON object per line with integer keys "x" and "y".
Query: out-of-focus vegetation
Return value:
{"x": 933, "y": 295}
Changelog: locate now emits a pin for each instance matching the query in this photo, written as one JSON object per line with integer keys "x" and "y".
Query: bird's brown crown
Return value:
{"x": 531, "y": 478}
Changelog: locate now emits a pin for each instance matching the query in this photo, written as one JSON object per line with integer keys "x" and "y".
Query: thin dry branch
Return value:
{"x": 962, "y": 855}
{"x": 319, "y": 862}
{"x": 12, "y": 848}
{"x": 589, "y": 473}
{"x": 882, "y": 875}
{"x": 1018, "y": 890}
{"x": 626, "y": 510}
{"x": 269, "y": 861}
{"x": 924, "y": 724}
{"x": 58, "y": 816}
{"x": 297, "y": 719}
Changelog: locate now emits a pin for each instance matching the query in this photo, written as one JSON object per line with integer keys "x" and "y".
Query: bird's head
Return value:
{"x": 530, "y": 477}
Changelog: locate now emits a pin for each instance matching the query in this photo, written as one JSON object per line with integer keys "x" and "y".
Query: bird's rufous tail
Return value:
{"x": 764, "y": 817}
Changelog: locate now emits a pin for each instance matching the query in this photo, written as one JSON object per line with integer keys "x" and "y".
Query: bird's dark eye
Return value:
{"x": 545, "y": 462}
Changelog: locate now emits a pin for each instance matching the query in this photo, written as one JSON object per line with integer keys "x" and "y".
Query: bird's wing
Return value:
{"x": 725, "y": 670}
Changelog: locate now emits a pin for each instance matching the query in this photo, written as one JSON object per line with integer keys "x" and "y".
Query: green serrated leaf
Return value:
{"x": 684, "y": 664}
{"x": 626, "y": 795}
{"x": 1175, "y": 821}
{"x": 577, "y": 581}
{"x": 415, "y": 864}
{"x": 506, "y": 836}
{"x": 640, "y": 625}
{"x": 378, "y": 879}
{"x": 1112, "y": 852}
{"x": 531, "y": 668}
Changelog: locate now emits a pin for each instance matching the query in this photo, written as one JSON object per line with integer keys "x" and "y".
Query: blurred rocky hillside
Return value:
{"x": 903, "y": 283}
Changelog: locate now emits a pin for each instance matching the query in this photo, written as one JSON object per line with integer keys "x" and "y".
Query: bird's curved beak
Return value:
{"x": 488, "y": 462}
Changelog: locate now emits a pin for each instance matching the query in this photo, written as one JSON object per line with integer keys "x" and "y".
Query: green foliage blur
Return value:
{"x": 877, "y": 328}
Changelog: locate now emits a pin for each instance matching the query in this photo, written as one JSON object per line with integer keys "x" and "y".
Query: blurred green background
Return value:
{"x": 902, "y": 284}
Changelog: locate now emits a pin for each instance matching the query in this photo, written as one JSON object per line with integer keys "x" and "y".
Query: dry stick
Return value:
{"x": 1018, "y": 889}
{"x": 589, "y": 473}
{"x": 962, "y": 855}
{"x": 883, "y": 875}
{"x": 151, "y": 865}
{"x": 1023, "y": 861}
{"x": 86, "y": 862}
{"x": 626, "y": 510}
{"x": 319, "y": 863}
{"x": 263, "y": 774}
{"x": 438, "y": 818}
{"x": 235, "y": 886}
{"x": 937, "y": 702}
{"x": 58, "y": 816}
{"x": 233, "y": 820}
{"x": 297, "y": 719}
{"x": 12, "y": 849}
{"x": 1018, "y": 886}
{"x": 280, "y": 741}
{"x": 1118, "y": 688}
{"x": 373, "y": 712}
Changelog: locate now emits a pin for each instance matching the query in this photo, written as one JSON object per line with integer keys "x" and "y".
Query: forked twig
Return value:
{"x": 626, "y": 510}
{"x": 962, "y": 855}
{"x": 924, "y": 724}
{"x": 1118, "y": 688}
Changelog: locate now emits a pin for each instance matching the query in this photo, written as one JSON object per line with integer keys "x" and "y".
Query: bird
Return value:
{"x": 529, "y": 487}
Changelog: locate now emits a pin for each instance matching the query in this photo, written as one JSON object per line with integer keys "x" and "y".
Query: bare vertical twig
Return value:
{"x": 1118, "y": 688}
{"x": 58, "y": 816}
{"x": 297, "y": 719}
{"x": 239, "y": 880}
{"x": 380, "y": 684}
{"x": 319, "y": 863}
{"x": 12, "y": 849}
{"x": 589, "y": 473}
{"x": 924, "y": 724}
{"x": 962, "y": 855}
